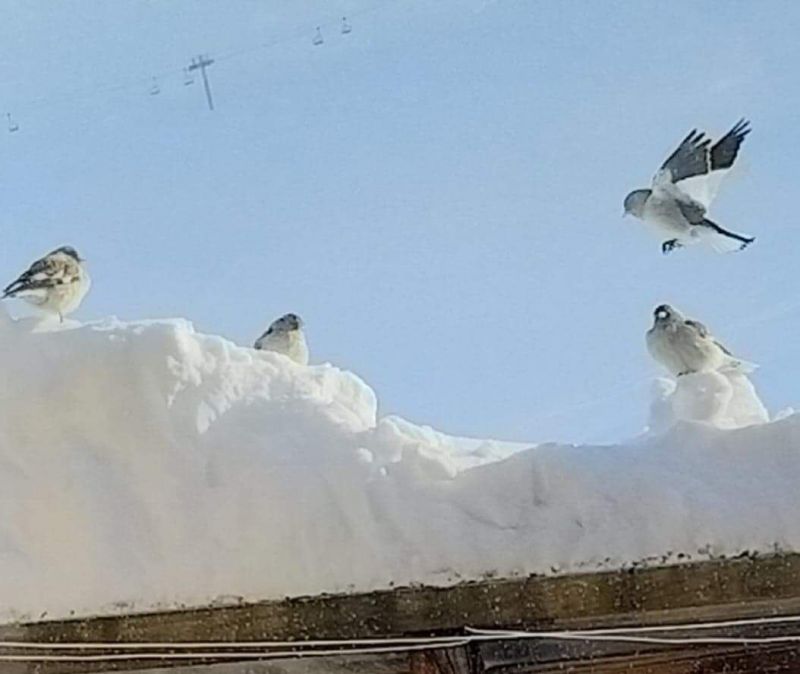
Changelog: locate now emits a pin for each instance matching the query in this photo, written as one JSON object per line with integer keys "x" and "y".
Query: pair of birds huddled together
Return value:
{"x": 676, "y": 205}
{"x": 58, "y": 282}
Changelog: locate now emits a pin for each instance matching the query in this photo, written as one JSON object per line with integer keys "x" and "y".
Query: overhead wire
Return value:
{"x": 144, "y": 82}
{"x": 263, "y": 650}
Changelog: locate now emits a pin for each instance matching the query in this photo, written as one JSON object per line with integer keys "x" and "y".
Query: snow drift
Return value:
{"x": 144, "y": 465}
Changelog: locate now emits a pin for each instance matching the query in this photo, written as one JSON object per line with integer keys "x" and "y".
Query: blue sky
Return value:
{"x": 437, "y": 193}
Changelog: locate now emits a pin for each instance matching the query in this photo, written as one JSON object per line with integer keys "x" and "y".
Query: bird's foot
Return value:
{"x": 668, "y": 246}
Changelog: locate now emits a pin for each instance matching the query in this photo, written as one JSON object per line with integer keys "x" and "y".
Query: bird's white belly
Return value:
{"x": 664, "y": 215}
{"x": 292, "y": 345}
{"x": 297, "y": 350}
{"x": 62, "y": 299}
{"x": 662, "y": 351}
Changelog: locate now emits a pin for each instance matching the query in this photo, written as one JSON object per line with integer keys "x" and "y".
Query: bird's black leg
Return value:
{"x": 669, "y": 246}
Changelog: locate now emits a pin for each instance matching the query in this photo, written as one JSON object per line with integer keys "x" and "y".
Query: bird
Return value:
{"x": 285, "y": 335}
{"x": 684, "y": 187}
{"x": 684, "y": 346}
{"x": 56, "y": 283}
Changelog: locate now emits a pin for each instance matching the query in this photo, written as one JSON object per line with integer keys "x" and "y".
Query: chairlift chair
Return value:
{"x": 155, "y": 89}
{"x": 317, "y": 38}
{"x": 187, "y": 77}
{"x": 346, "y": 27}
{"x": 12, "y": 125}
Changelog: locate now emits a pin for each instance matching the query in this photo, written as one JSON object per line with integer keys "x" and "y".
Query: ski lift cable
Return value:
{"x": 301, "y": 32}
{"x": 140, "y": 81}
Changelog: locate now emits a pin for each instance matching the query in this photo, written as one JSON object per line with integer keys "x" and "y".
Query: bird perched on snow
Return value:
{"x": 56, "y": 283}
{"x": 285, "y": 336}
{"x": 683, "y": 345}
{"x": 683, "y": 189}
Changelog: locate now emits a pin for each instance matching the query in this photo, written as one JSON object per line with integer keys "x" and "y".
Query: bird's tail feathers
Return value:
{"x": 21, "y": 289}
{"x": 723, "y": 240}
{"x": 740, "y": 366}
{"x": 12, "y": 289}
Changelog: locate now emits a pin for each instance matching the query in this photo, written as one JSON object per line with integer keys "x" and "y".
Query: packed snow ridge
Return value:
{"x": 145, "y": 465}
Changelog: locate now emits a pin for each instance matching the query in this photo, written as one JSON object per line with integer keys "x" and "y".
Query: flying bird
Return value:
{"x": 683, "y": 189}
{"x": 683, "y": 345}
{"x": 56, "y": 283}
{"x": 285, "y": 335}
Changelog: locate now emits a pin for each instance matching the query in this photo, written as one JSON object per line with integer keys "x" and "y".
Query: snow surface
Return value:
{"x": 144, "y": 465}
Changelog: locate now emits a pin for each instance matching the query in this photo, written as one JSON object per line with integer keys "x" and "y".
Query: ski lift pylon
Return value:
{"x": 318, "y": 40}
{"x": 346, "y": 27}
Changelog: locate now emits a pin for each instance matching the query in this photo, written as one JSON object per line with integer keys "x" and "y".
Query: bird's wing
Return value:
{"x": 692, "y": 210}
{"x": 259, "y": 343}
{"x": 694, "y": 213}
{"x": 703, "y": 332}
{"x": 735, "y": 363}
{"x": 724, "y": 349}
{"x": 703, "y": 187}
{"x": 691, "y": 158}
{"x": 37, "y": 271}
{"x": 698, "y": 327}
{"x": 47, "y": 272}
{"x": 724, "y": 153}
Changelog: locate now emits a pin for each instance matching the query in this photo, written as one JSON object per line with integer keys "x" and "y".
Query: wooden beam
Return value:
{"x": 462, "y": 660}
{"x": 712, "y": 590}
{"x": 549, "y": 657}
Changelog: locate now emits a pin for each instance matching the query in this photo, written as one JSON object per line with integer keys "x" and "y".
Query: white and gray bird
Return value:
{"x": 683, "y": 345}
{"x": 285, "y": 335}
{"x": 56, "y": 283}
{"x": 683, "y": 189}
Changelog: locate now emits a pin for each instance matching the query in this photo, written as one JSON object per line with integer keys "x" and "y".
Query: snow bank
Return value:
{"x": 724, "y": 399}
{"x": 144, "y": 465}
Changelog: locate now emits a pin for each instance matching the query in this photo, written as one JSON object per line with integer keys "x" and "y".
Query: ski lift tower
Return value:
{"x": 201, "y": 63}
